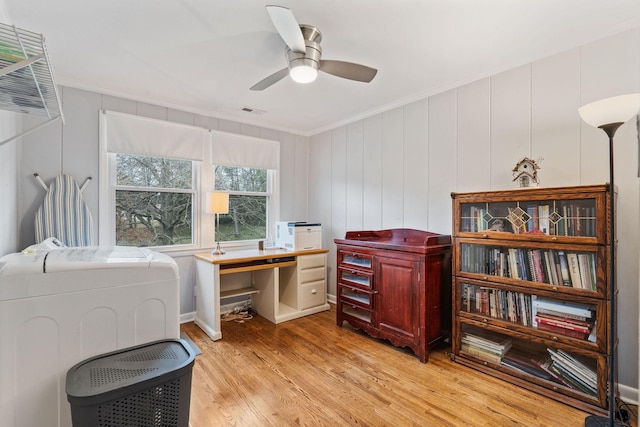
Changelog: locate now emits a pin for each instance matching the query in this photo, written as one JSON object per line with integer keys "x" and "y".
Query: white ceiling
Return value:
{"x": 202, "y": 56}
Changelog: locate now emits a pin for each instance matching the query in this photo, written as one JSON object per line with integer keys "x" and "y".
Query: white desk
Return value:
{"x": 283, "y": 285}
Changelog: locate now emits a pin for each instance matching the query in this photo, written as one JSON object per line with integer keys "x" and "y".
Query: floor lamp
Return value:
{"x": 217, "y": 203}
{"x": 609, "y": 114}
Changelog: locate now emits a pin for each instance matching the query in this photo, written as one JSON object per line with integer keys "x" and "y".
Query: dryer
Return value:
{"x": 61, "y": 306}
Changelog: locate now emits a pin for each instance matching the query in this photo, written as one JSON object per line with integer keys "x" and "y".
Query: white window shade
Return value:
{"x": 229, "y": 149}
{"x": 143, "y": 136}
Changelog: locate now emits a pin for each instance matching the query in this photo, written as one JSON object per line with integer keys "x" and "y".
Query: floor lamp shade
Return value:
{"x": 617, "y": 109}
{"x": 218, "y": 202}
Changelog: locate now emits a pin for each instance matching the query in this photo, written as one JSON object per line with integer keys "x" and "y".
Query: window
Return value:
{"x": 246, "y": 168}
{"x": 153, "y": 201}
{"x": 249, "y": 198}
{"x": 149, "y": 175}
{"x": 154, "y": 176}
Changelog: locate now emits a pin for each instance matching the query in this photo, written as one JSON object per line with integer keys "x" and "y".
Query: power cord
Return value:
{"x": 239, "y": 314}
{"x": 624, "y": 412}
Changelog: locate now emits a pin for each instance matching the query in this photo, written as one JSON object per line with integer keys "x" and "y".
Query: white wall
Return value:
{"x": 73, "y": 149}
{"x": 10, "y": 125}
{"x": 398, "y": 168}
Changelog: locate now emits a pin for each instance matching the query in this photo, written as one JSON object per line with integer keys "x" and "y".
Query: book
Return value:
{"x": 537, "y": 261}
{"x": 480, "y": 353}
{"x": 538, "y": 310}
{"x": 489, "y": 340}
{"x": 574, "y": 270}
{"x": 572, "y": 381}
{"x": 576, "y": 367}
{"x": 513, "y": 264}
{"x": 532, "y": 224}
{"x": 561, "y": 331}
{"x": 541, "y": 319}
{"x": 562, "y": 307}
{"x": 580, "y": 322}
{"x": 585, "y": 274}
{"x": 550, "y": 267}
{"x": 545, "y": 363}
{"x": 564, "y": 268}
{"x": 543, "y": 215}
{"x": 521, "y": 361}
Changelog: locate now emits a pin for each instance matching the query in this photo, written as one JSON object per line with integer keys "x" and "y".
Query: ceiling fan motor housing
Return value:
{"x": 310, "y": 58}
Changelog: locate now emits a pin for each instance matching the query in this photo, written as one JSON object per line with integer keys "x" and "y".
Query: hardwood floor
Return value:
{"x": 309, "y": 372}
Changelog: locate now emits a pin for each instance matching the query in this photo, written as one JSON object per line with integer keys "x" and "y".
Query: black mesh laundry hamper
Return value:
{"x": 142, "y": 386}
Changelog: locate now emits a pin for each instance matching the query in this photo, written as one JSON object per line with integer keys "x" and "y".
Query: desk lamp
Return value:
{"x": 609, "y": 114}
{"x": 217, "y": 203}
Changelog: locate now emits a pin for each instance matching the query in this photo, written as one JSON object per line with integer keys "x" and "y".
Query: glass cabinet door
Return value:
{"x": 565, "y": 268}
{"x": 553, "y": 318}
{"x": 540, "y": 362}
{"x": 549, "y": 217}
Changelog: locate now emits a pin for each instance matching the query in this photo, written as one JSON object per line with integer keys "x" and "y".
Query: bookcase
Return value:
{"x": 530, "y": 300}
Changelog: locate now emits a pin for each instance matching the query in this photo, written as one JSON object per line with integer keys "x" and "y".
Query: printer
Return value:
{"x": 298, "y": 235}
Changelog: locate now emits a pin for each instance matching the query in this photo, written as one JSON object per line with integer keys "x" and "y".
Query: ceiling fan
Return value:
{"x": 303, "y": 54}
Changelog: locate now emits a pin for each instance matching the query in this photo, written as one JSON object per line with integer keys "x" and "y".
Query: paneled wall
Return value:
{"x": 398, "y": 168}
{"x": 9, "y": 160}
{"x": 73, "y": 149}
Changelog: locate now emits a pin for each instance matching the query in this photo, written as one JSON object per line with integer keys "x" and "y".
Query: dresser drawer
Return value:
{"x": 362, "y": 261}
{"x": 351, "y": 295}
{"x": 355, "y": 278}
{"x": 312, "y": 275}
{"x": 355, "y": 312}
{"x": 311, "y": 261}
{"x": 312, "y": 294}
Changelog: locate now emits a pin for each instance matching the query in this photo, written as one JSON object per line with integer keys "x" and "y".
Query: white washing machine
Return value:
{"x": 59, "y": 307}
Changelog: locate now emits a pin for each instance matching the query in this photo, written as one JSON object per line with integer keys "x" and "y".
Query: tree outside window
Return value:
{"x": 154, "y": 201}
{"x": 248, "y": 190}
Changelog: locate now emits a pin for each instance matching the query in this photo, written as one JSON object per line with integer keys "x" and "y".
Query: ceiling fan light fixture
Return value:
{"x": 303, "y": 73}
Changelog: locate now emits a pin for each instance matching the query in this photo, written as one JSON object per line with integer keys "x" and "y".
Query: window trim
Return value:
{"x": 203, "y": 182}
{"x": 273, "y": 203}
{"x": 109, "y": 204}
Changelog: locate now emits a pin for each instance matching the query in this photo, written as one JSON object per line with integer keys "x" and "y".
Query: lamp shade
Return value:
{"x": 617, "y": 109}
{"x": 218, "y": 202}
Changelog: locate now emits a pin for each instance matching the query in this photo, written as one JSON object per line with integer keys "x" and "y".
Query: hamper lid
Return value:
{"x": 128, "y": 367}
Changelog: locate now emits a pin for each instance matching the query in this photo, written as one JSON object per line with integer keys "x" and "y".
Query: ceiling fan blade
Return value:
{"x": 348, "y": 70}
{"x": 287, "y": 27}
{"x": 272, "y": 79}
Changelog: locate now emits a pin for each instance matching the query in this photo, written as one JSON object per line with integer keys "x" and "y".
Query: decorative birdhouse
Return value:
{"x": 525, "y": 173}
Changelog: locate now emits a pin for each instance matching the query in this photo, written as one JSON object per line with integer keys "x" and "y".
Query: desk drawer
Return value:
{"x": 313, "y": 294}
{"x": 312, "y": 275}
{"x": 311, "y": 261}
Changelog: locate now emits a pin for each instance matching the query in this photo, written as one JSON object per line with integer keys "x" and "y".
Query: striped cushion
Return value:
{"x": 64, "y": 214}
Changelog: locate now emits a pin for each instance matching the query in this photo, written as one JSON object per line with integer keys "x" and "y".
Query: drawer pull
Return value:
{"x": 313, "y": 291}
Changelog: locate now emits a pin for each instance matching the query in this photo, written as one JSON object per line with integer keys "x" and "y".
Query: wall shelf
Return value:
{"x": 27, "y": 84}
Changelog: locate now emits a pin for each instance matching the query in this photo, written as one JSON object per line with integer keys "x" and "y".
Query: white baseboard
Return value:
{"x": 187, "y": 317}
{"x": 331, "y": 299}
{"x": 628, "y": 394}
